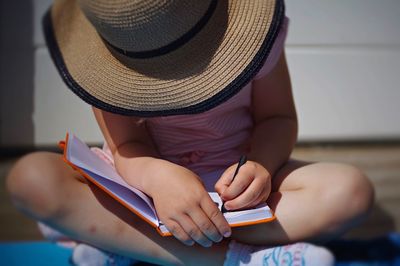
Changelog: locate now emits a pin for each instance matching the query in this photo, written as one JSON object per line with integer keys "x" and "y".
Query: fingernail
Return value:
{"x": 227, "y": 234}
{"x": 208, "y": 244}
{"x": 220, "y": 239}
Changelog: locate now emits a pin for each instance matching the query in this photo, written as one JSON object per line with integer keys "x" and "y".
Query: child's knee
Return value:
{"x": 350, "y": 195}
{"x": 359, "y": 192}
{"x": 29, "y": 185}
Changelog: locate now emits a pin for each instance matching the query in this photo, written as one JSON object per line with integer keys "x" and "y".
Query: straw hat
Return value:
{"x": 160, "y": 57}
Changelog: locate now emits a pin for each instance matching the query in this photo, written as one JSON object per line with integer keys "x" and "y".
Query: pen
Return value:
{"x": 242, "y": 161}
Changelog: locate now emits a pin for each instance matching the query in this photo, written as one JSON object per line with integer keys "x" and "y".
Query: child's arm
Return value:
{"x": 131, "y": 146}
{"x": 272, "y": 141}
{"x": 275, "y": 117}
{"x": 181, "y": 201}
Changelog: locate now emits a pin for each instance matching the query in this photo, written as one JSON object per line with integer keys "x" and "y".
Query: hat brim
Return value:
{"x": 206, "y": 71}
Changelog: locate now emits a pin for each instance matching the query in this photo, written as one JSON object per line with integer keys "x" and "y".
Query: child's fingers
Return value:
{"x": 225, "y": 180}
{"x": 238, "y": 185}
{"x": 262, "y": 198}
{"x": 192, "y": 228}
{"x": 215, "y": 215}
{"x": 207, "y": 230}
{"x": 177, "y": 231}
{"x": 252, "y": 193}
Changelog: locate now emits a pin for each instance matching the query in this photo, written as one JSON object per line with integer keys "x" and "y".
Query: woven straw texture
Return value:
{"x": 198, "y": 70}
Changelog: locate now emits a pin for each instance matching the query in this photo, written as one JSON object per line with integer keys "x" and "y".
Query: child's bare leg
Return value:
{"x": 309, "y": 200}
{"x": 312, "y": 202}
{"x": 44, "y": 187}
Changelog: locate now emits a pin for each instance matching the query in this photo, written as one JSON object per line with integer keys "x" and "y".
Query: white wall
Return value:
{"x": 343, "y": 57}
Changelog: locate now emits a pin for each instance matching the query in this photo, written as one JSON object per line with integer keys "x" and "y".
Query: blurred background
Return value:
{"x": 344, "y": 59}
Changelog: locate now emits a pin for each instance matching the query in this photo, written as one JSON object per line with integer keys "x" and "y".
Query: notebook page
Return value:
{"x": 261, "y": 211}
{"x": 80, "y": 155}
{"x": 131, "y": 199}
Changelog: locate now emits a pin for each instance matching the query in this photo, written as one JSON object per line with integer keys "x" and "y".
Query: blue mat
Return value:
{"x": 381, "y": 251}
{"x": 34, "y": 253}
{"x": 38, "y": 254}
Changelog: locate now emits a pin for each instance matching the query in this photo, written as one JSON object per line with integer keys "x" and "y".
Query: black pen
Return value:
{"x": 242, "y": 161}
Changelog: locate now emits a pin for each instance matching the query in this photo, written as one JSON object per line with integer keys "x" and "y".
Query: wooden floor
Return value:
{"x": 381, "y": 162}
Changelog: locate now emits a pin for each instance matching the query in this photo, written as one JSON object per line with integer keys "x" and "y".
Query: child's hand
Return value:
{"x": 184, "y": 206}
{"x": 251, "y": 186}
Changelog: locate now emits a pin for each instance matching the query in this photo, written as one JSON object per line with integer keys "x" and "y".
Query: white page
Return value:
{"x": 80, "y": 155}
{"x": 261, "y": 211}
{"x": 127, "y": 196}
{"x": 216, "y": 198}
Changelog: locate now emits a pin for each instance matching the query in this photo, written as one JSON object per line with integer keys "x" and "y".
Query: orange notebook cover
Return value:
{"x": 79, "y": 156}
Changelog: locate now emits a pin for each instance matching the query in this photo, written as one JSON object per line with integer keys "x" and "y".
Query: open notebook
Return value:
{"x": 78, "y": 155}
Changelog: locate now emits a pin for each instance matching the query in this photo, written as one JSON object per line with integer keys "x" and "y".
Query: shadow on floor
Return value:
{"x": 378, "y": 223}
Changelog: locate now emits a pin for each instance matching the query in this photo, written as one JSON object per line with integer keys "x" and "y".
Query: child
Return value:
{"x": 180, "y": 90}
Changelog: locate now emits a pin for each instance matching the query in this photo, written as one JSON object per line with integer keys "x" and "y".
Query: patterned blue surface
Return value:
{"x": 382, "y": 251}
